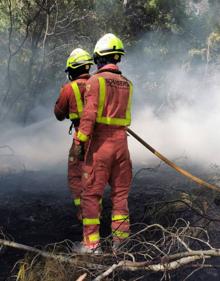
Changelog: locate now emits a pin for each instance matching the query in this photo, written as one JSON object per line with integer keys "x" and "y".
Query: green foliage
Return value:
{"x": 41, "y": 34}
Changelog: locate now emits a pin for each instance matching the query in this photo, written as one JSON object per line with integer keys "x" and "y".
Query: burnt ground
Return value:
{"x": 35, "y": 209}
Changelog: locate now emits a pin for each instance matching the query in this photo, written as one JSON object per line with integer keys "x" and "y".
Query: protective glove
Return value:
{"x": 79, "y": 151}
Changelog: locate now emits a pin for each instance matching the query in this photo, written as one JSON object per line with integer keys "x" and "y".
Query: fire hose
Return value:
{"x": 173, "y": 165}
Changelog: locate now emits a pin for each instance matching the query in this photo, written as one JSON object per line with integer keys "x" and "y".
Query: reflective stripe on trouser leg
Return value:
{"x": 120, "y": 218}
{"x": 89, "y": 221}
{"x": 91, "y": 202}
{"x": 120, "y": 226}
{"x": 91, "y": 231}
{"x": 95, "y": 177}
{"x": 91, "y": 228}
{"x": 92, "y": 238}
{"x": 76, "y": 202}
{"x": 119, "y": 235}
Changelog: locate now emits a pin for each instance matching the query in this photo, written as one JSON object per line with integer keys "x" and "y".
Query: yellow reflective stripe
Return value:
{"x": 100, "y": 201}
{"x": 82, "y": 137}
{"x": 113, "y": 121}
{"x": 78, "y": 97}
{"x": 109, "y": 120}
{"x": 120, "y": 234}
{"x": 102, "y": 94}
{"x": 128, "y": 110}
{"x": 87, "y": 221}
{"x": 95, "y": 237}
{"x": 73, "y": 116}
{"x": 120, "y": 218}
{"x": 77, "y": 201}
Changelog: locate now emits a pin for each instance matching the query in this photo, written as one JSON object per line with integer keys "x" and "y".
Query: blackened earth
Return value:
{"x": 36, "y": 210}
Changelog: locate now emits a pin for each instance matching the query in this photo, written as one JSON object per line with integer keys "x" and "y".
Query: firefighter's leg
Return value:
{"x": 120, "y": 182}
{"x": 75, "y": 180}
{"x": 95, "y": 177}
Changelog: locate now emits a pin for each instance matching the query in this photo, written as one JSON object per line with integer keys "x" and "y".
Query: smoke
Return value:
{"x": 175, "y": 109}
{"x": 188, "y": 128}
{"x": 182, "y": 123}
{"x": 43, "y": 145}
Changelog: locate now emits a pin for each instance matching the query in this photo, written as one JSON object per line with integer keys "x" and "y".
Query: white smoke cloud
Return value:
{"x": 188, "y": 126}
{"x": 41, "y": 145}
{"x": 179, "y": 117}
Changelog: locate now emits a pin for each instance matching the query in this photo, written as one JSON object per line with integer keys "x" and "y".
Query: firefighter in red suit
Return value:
{"x": 106, "y": 115}
{"x": 70, "y": 105}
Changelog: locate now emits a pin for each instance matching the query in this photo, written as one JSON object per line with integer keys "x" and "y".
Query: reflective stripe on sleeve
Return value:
{"x": 87, "y": 221}
{"x": 82, "y": 137}
{"x": 73, "y": 116}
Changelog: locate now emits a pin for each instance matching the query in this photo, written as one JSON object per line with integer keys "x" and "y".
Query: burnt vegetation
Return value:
{"x": 174, "y": 232}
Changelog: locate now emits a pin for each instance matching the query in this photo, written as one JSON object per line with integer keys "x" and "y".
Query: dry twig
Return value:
{"x": 170, "y": 250}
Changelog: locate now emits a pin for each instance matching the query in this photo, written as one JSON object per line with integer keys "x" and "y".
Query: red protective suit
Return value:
{"x": 64, "y": 107}
{"x": 107, "y": 103}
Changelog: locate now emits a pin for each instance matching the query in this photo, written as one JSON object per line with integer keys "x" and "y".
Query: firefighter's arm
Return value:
{"x": 89, "y": 115}
{"x": 61, "y": 109}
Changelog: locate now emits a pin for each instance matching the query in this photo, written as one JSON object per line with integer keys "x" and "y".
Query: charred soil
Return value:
{"x": 36, "y": 210}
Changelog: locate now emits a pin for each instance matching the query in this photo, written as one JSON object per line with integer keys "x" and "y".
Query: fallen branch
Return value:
{"x": 170, "y": 251}
{"x": 166, "y": 264}
{"x": 109, "y": 271}
{"x": 73, "y": 259}
{"x": 133, "y": 266}
{"x": 82, "y": 277}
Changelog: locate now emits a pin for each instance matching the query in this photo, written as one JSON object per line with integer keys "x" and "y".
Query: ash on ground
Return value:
{"x": 36, "y": 210}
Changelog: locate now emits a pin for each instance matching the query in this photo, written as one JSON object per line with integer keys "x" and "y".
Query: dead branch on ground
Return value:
{"x": 152, "y": 249}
